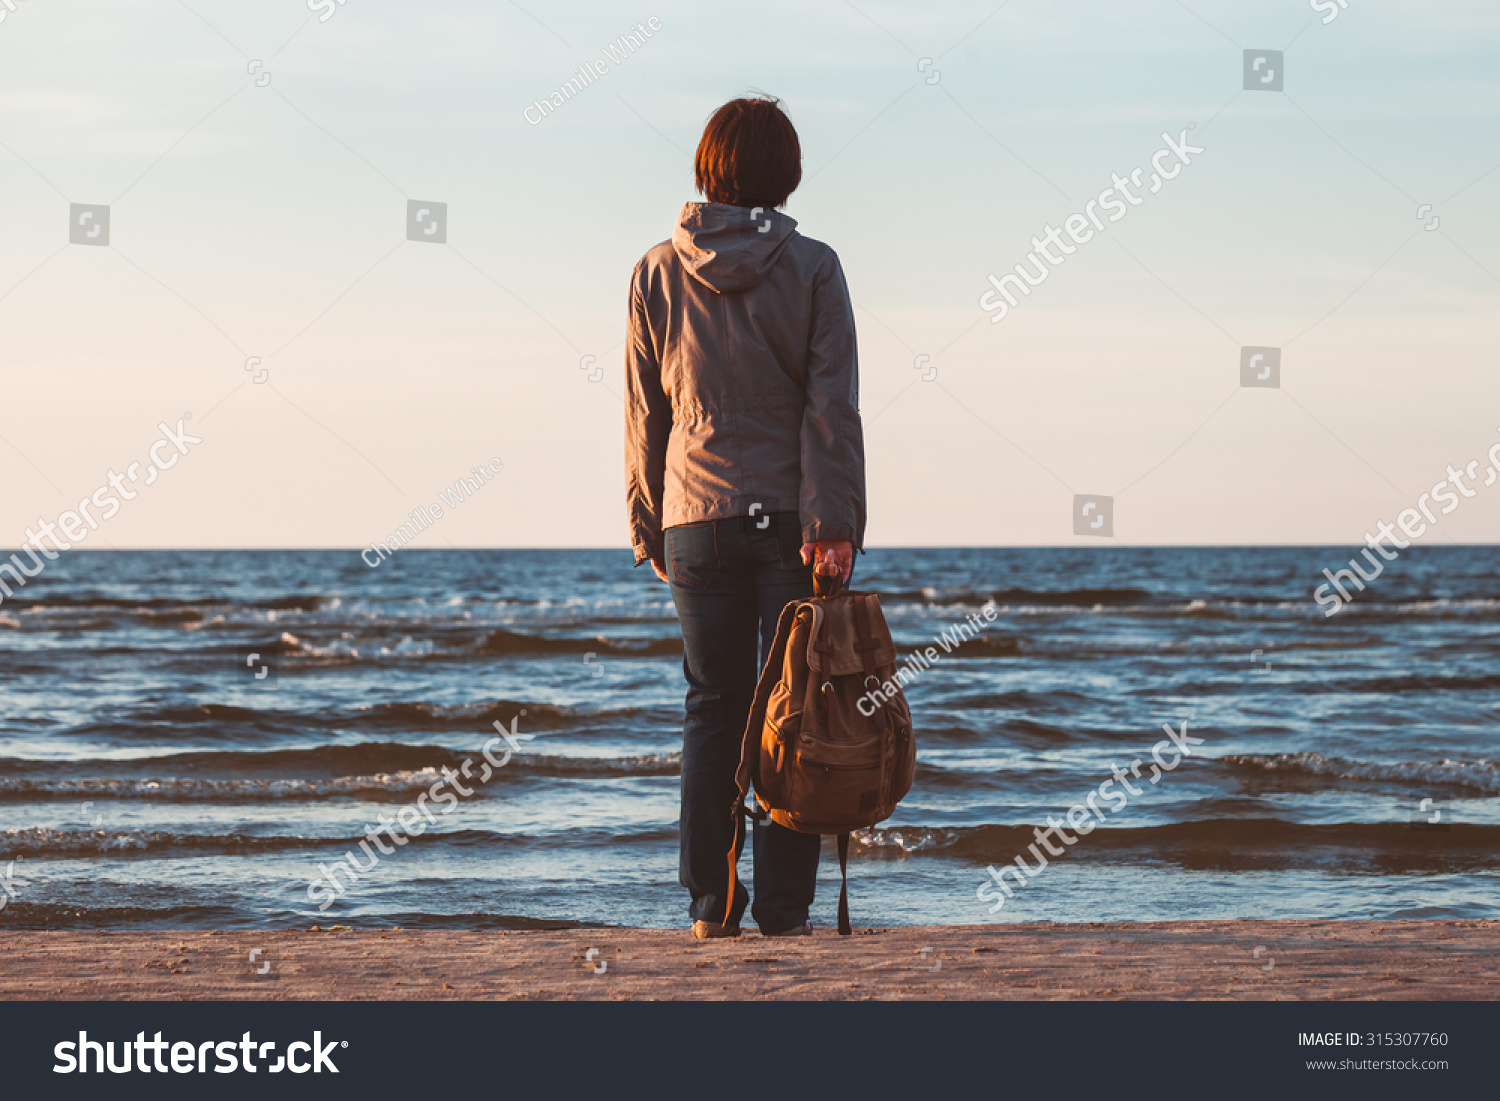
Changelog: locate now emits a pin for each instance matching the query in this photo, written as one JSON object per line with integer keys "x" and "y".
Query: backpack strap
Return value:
{"x": 866, "y": 643}
{"x": 750, "y": 745}
{"x": 844, "y": 929}
{"x": 769, "y": 676}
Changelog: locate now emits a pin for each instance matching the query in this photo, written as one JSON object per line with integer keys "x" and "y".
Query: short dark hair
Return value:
{"x": 749, "y": 154}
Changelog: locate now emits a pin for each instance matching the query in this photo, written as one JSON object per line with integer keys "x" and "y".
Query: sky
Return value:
{"x": 262, "y": 164}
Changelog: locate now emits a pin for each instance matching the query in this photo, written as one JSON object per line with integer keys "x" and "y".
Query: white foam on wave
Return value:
{"x": 383, "y": 783}
{"x": 1481, "y": 775}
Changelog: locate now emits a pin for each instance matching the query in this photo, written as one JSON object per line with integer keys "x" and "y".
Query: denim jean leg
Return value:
{"x": 717, "y": 610}
{"x": 786, "y": 862}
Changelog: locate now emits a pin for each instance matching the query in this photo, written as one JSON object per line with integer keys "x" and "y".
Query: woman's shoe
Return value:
{"x": 803, "y": 930}
{"x": 712, "y": 930}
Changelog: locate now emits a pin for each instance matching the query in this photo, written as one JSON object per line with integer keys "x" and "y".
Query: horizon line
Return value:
{"x": 1109, "y": 544}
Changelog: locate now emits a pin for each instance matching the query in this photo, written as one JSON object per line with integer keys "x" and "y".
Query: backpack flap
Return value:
{"x": 840, "y": 647}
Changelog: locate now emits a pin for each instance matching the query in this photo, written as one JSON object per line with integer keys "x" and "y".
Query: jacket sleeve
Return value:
{"x": 832, "y": 499}
{"x": 648, "y": 425}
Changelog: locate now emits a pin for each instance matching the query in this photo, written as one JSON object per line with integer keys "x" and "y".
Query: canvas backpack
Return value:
{"x": 829, "y": 746}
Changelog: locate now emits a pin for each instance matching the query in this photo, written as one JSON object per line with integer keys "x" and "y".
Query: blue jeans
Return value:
{"x": 730, "y": 581}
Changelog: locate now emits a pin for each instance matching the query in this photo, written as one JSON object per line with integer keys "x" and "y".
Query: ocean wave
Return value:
{"x": 1481, "y": 776}
{"x": 371, "y": 770}
{"x": 980, "y": 646}
{"x": 457, "y": 642}
{"x": 478, "y": 716}
{"x": 1169, "y": 606}
{"x": 39, "y": 843}
{"x": 232, "y": 722}
{"x": 394, "y": 715}
{"x": 172, "y": 617}
{"x": 1064, "y": 699}
{"x": 1228, "y": 842}
{"x": 380, "y": 786}
{"x": 44, "y": 843}
{"x": 212, "y": 714}
{"x": 500, "y": 642}
{"x": 1071, "y": 598}
{"x": 472, "y": 921}
{"x": 169, "y": 605}
{"x": 21, "y": 914}
{"x": 1412, "y": 682}
{"x": 1430, "y": 607}
{"x": 946, "y": 723}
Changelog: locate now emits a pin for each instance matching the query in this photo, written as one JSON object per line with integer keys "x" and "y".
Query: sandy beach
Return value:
{"x": 1228, "y": 960}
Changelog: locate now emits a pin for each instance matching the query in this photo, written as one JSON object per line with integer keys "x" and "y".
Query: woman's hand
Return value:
{"x": 830, "y": 557}
{"x": 661, "y": 570}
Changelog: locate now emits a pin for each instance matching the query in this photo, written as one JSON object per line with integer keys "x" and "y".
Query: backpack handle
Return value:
{"x": 825, "y": 584}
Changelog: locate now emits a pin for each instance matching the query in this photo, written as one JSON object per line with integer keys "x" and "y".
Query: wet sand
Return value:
{"x": 1237, "y": 960}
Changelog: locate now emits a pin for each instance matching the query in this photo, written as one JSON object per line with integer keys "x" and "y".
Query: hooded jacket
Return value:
{"x": 742, "y": 380}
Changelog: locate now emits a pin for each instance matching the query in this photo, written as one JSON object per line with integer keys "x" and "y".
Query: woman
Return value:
{"x": 744, "y": 461}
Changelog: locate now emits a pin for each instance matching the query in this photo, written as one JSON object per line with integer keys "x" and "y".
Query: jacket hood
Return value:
{"x": 730, "y": 248}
